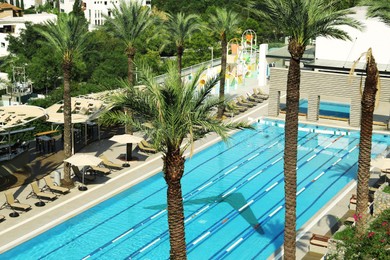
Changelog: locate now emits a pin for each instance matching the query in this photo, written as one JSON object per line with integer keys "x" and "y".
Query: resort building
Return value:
{"x": 12, "y": 22}
{"x": 95, "y": 10}
{"x": 326, "y": 68}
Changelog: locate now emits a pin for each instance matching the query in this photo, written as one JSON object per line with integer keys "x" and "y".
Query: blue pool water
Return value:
{"x": 233, "y": 200}
{"x": 340, "y": 110}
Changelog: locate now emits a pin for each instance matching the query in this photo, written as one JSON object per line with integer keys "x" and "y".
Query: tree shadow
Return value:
{"x": 235, "y": 200}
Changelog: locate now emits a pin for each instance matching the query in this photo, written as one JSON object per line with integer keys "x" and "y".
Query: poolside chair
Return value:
{"x": 259, "y": 93}
{"x": 100, "y": 170}
{"x": 319, "y": 243}
{"x": 243, "y": 102}
{"x": 38, "y": 194}
{"x": 79, "y": 175}
{"x": 2, "y": 218}
{"x": 146, "y": 147}
{"x": 50, "y": 185}
{"x": 110, "y": 164}
{"x": 13, "y": 203}
{"x": 254, "y": 98}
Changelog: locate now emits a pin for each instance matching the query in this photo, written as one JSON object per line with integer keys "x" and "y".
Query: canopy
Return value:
{"x": 12, "y": 116}
{"x": 83, "y": 159}
{"x": 126, "y": 139}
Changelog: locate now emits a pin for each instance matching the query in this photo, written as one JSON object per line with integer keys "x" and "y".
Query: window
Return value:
{"x": 2, "y": 45}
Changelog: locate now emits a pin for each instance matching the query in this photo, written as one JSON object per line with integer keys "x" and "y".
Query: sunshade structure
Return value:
{"x": 13, "y": 116}
{"x": 84, "y": 109}
{"x": 82, "y": 160}
{"x": 129, "y": 140}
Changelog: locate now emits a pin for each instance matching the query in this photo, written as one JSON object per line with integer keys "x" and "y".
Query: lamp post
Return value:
{"x": 212, "y": 55}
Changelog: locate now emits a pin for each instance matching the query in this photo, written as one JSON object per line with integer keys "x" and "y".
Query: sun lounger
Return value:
{"x": 319, "y": 244}
{"x": 79, "y": 175}
{"x": 50, "y": 185}
{"x": 110, "y": 164}
{"x": 14, "y": 204}
{"x": 100, "y": 170}
{"x": 254, "y": 98}
{"x": 259, "y": 93}
{"x": 38, "y": 194}
{"x": 242, "y": 101}
{"x": 146, "y": 147}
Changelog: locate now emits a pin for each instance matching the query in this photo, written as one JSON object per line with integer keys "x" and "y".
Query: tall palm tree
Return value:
{"x": 368, "y": 106}
{"x": 302, "y": 21}
{"x": 129, "y": 21}
{"x": 176, "y": 112}
{"x": 179, "y": 28}
{"x": 67, "y": 37}
{"x": 380, "y": 9}
{"x": 222, "y": 23}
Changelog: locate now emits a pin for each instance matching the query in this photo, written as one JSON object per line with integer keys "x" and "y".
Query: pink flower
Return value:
{"x": 384, "y": 223}
{"x": 370, "y": 234}
{"x": 357, "y": 217}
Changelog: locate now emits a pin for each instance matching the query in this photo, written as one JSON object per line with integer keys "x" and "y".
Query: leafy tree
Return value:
{"x": 222, "y": 23}
{"x": 67, "y": 38}
{"x": 128, "y": 22}
{"x": 302, "y": 21}
{"x": 180, "y": 27}
{"x": 380, "y": 9}
{"x": 177, "y": 111}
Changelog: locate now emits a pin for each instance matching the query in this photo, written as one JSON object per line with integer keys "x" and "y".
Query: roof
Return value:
{"x": 282, "y": 53}
{"x": 13, "y": 116}
{"x": 84, "y": 109}
{"x": 7, "y": 6}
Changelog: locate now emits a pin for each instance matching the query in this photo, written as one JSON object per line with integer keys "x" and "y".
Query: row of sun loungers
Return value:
{"x": 242, "y": 103}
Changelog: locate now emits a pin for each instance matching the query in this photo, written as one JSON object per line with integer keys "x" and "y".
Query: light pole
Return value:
{"x": 212, "y": 55}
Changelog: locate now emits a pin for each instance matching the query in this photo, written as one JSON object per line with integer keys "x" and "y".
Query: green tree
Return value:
{"x": 67, "y": 38}
{"x": 302, "y": 21}
{"x": 176, "y": 112}
{"x": 367, "y": 114}
{"x": 180, "y": 27}
{"x": 128, "y": 22}
{"x": 380, "y": 9}
{"x": 222, "y": 23}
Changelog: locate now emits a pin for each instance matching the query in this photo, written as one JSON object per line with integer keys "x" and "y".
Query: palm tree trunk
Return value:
{"x": 180, "y": 51}
{"x": 221, "y": 107}
{"x": 130, "y": 66}
{"x": 368, "y": 106}
{"x": 290, "y": 149}
{"x": 67, "y": 67}
{"x": 174, "y": 169}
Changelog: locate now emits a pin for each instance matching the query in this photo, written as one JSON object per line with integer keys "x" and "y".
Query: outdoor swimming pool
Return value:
{"x": 333, "y": 109}
{"x": 233, "y": 200}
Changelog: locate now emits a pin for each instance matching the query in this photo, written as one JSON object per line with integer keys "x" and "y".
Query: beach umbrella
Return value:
{"x": 129, "y": 140}
{"x": 83, "y": 160}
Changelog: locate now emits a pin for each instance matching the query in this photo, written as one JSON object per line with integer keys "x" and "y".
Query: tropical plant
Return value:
{"x": 128, "y": 22}
{"x": 67, "y": 37}
{"x": 176, "y": 112}
{"x": 180, "y": 27}
{"x": 380, "y": 9}
{"x": 367, "y": 114}
{"x": 222, "y": 23}
{"x": 302, "y": 21}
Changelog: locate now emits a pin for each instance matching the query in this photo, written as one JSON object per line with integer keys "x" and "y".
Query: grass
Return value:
{"x": 387, "y": 189}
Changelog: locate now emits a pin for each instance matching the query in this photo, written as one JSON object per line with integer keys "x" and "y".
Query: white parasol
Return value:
{"x": 127, "y": 139}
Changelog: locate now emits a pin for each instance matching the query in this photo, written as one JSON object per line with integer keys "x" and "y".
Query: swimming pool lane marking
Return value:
{"x": 190, "y": 194}
{"x": 260, "y": 196}
{"x": 245, "y": 206}
{"x": 273, "y": 185}
{"x": 201, "y": 238}
{"x": 234, "y": 213}
{"x": 251, "y": 230}
{"x": 307, "y": 228}
{"x": 241, "y": 184}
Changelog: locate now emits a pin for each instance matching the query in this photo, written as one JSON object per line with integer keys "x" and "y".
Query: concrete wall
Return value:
{"x": 317, "y": 84}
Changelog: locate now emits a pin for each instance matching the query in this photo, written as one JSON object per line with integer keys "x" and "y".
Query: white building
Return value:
{"x": 95, "y": 10}
{"x": 375, "y": 34}
{"x": 13, "y": 24}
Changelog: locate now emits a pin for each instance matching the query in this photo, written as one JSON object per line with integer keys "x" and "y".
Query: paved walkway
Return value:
{"x": 17, "y": 230}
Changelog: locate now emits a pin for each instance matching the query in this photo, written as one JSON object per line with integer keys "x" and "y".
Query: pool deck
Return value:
{"x": 17, "y": 230}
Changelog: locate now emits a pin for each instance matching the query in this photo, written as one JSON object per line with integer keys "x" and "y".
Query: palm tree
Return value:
{"x": 368, "y": 106}
{"x": 302, "y": 21}
{"x": 176, "y": 112}
{"x": 67, "y": 37}
{"x": 380, "y": 9}
{"x": 222, "y": 23}
{"x": 180, "y": 27}
{"x": 129, "y": 21}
